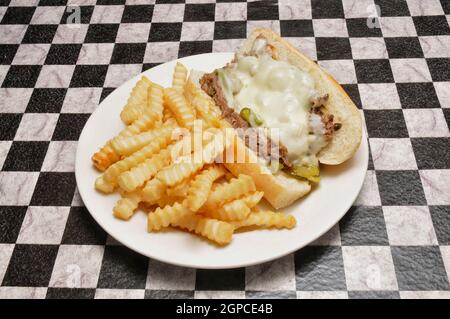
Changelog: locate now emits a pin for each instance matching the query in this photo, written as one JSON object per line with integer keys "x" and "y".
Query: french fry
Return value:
{"x": 203, "y": 109}
{"x": 156, "y": 99}
{"x": 252, "y": 199}
{"x": 233, "y": 211}
{"x": 103, "y": 186}
{"x": 201, "y": 186}
{"x": 267, "y": 219}
{"x": 127, "y": 205}
{"x": 137, "y": 101}
{"x": 163, "y": 217}
{"x": 179, "y": 190}
{"x": 177, "y": 104}
{"x": 179, "y": 77}
{"x": 105, "y": 157}
{"x": 215, "y": 230}
{"x": 153, "y": 190}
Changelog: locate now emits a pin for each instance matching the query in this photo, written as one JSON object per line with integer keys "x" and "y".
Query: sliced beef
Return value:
{"x": 318, "y": 107}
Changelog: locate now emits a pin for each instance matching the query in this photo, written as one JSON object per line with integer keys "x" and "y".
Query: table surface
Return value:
{"x": 55, "y": 69}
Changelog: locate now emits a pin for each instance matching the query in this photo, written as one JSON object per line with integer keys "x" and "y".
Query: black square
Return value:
{"x": 26, "y": 156}
{"x": 363, "y": 225}
{"x": 82, "y": 229}
{"x": 353, "y": 92}
{"x": 46, "y": 101}
{"x": 63, "y": 54}
{"x": 169, "y": 294}
{"x": 137, "y": 14}
{"x": 358, "y": 28}
{"x": 18, "y": 15}
{"x": 296, "y": 28}
{"x": 374, "y": 294}
{"x": 327, "y": 9}
{"x": 199, "y": 12}
{"x": 400, "y": 188}
{"x": 169, "y": 1}
{"x": 30, "y": 266}
{"x": 126, "y": 53}
{"x": 70, "y": 293}
{"x": 404, "y": 47}
{"x": 446, "y": 6}
{"x": 54, "y": 189}
{"x": 419, "y": 268}
{"x": 89, "y": 76}
{"x": 230, "y": 30}
{"x": 333, "y": 48}
{"x": 21, "y": 76}
{"x": 431, "y": 25}
{"x": 105, "y": 93}
{"x": 391, "y": 8}
{"x": 373, "y": 71}
{"x": 439, "y": 69}
{"x": 9, "y": 123}
{"x": 11, "y": 218}
{"x": 194, "y": 47}
{"x": 417, "y": 95}
{"x": 276, "y": 294}
{"x": 441, "y": 222}
{"x": 447, "y": 117}
{"x": 224, "y": 279}
{"x": 319, "y": 268}
{"x": 262, "y": 10}
{"x": 432, "y": 152}
{"x": 385, "y": 123}
{"x": 110, "y": 2}
{"x": 7, "y": 53}
{"x": 85, "y": 14}
{"x": 102, "y": 33}
{"x": 40, "y": 33}
{"x": 162, "y": 32}
{"x": 4, "y": 3}
{"x": 52, "y": 2}
{"x": 147, "y": 66}
{"x": 123, "y": 269}
{"x": 69, "y": 126}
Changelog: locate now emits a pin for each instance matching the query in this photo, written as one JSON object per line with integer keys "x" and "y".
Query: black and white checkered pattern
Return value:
{"x": 394, "y": 242}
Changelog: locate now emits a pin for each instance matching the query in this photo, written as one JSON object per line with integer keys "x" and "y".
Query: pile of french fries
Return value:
{"x": 187, "y": 191}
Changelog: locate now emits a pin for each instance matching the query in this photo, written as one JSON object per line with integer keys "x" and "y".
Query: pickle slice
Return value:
{"x": 309, "y": 172}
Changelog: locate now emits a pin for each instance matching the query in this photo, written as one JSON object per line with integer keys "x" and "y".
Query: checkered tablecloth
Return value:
{"x": 59, "y": 59}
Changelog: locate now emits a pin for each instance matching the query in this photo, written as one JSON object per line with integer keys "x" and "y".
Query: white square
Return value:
{"x": 3, "y": 71}
{"x": 55, "y": 76}
{"x": 368, "y": 48}
{"x": 269, "y": 24}
{"x": 410, "y": 70}
{"x": 133, "y": 33}
{"x": 95, "y": 53}
{"x": 330, "y": 238}
{"x": 197, "y": 31}
{"x": 271, "y": 276}
{"x": 5, "y": 255}
{"x": 168, "y": 13}
{"x": 16, "y": 188}
{"x": 137, "y": 2}
{"x": 77, "y": 266}
{"x": 12, "y": 33}
{"x": 443, "y": 93}
{"x": 23, "y": 3}
{"x": 392, "y": 154}
{"x": 369, "y": 194}
{"x": 294, "y": 9}
{"x": 426, "y": 123}
{"x": 436, "y": 46}
{"x": 107, "y": 14}
{"x": 436, "y": 185}
{"x": 322, "y": 295}
{"x": 330, "y": 28}
{"x": 201, "y": 1}
{"x": 409, "y": 226}
{"x": 397, "y": 27}
{"x": 120, "y": 73}
{"x": 379, "y": 96}
{"x": 43, "y": 225}
{"x": 70, "y": 33}
{"x": 218, "y": 294}
{"x": 82, "y": 2}
{"x": 4, "y": 149}
{"x": 22, "y": 292}
{"x": 305, "y": 45}
{"x": 161, "y": 52}
{"x": 358, "y": 8}
{"x": 445, "y": 252}
{"x": 81, "y": 100}
{"x": 229, "y": 45}
{"x": 48, "y": 15}
{"x": 436, "y": 294}
{"x": 28, "y": 54}
{"x": 167, "y": 277}
{"x": 36, "y": 127}
{"x": 342, "y": 70}
{"x": 2, "y": 12}
{"x": 119, "y": 294}
{"x": 14, "y": 100}
{"x": 231, "y": 12}
{"x": 369, "y": 268}
{"x": 425, "y": 8}
{"x": 60, "y": 157}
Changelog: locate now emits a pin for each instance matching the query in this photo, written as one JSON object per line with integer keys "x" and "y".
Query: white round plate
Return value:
{"x": 315, "y": 214}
